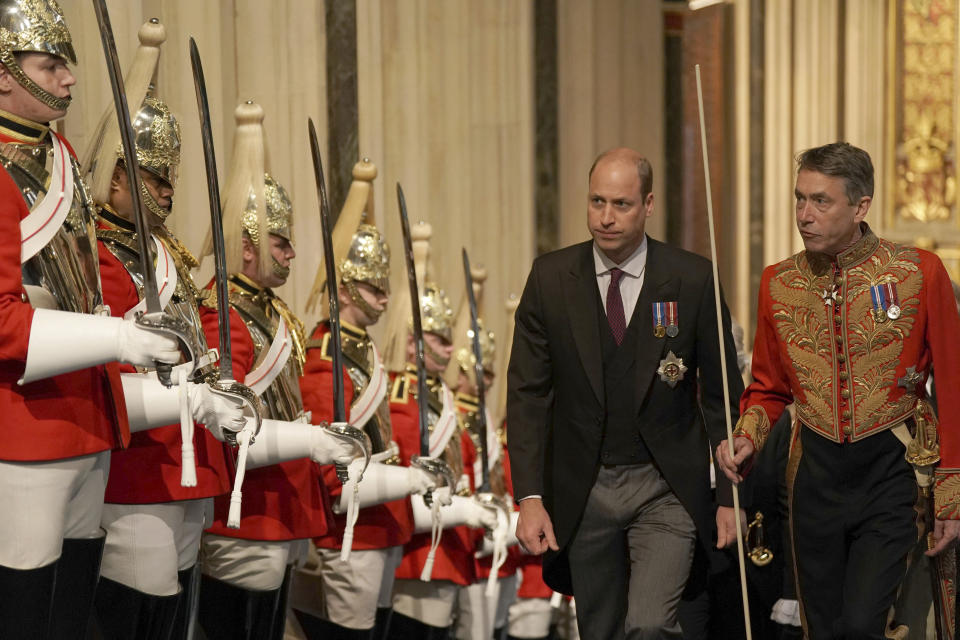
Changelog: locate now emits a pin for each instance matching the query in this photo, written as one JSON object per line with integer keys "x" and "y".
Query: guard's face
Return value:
{"x": 122, "y": 202}
{"x": 616, "y": 212}
{"x": 51, "y": 73}
{"x": 354, "y": 313}
{"x": 826, "y": 219}
{"x": 282, "y": 254}
{"x": 437, "y": 351}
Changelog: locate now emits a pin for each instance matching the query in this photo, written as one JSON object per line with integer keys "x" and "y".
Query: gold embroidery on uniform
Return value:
{"x": 946, "y": 494}
{"x": 754, "y": 424}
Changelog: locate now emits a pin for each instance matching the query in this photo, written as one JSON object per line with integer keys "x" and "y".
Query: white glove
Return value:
{"x": 387, "y": 482}
{"x": 220, "y": 413}
{"x": 326, "y": 448}
{"x": 470, "y": 512}
{"x": 280, "y": 441}
{"x": 62, "y": 341}
{"x": 487, "y": 545}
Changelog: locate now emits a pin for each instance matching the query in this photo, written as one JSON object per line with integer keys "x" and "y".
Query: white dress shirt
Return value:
{"x": 631, "y": 282}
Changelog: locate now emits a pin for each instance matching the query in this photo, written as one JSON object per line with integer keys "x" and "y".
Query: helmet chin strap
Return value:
{"x": 436, "y": 357}
{"x": 278, "y": 269}
{"x": 152, "y": 205}
{"x": 360, "y": 301}
{"x": 9, "y": 60}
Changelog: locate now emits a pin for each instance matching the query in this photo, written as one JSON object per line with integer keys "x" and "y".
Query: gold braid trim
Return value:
{"x": 754, "y": 424}
{"x": 946, "y": 494}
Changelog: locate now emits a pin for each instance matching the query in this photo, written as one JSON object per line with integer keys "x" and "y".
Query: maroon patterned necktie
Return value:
{"x": 618, "y": 325}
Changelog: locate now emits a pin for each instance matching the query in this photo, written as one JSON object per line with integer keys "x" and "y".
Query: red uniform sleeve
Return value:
{"x": 16, "y": 315}
{"x": 769, "y": 394}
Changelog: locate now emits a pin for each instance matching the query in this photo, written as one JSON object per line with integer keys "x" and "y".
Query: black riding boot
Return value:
{"x": 78, "y": 571}
{"x": 406, "y": 628}
{"x": 187, "y": 607}
{"x": 382, "y": 627}
{"x": 124, "y": 613}
{"x": 26, "y": 601}
{"x": 227, "y": 612}
{"x": 280, "y": 615}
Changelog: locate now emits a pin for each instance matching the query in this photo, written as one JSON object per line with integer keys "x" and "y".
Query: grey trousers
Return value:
{"x": 630, "y": 557}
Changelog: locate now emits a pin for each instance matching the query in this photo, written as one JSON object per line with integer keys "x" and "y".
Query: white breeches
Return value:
{"x": 505, "y": 597}
{"x": 353, "y": 590}
{"x": 254, "y": 565}
{"x": 530, "y": 618}
{"x": 41, "y": 503}
{"x": 147, "y": 544}
{"x": 428, "y": 602}
{"x": 475, "y": 612}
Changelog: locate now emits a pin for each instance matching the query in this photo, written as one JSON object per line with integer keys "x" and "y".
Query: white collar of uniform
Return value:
{"x": 632, "y": 266}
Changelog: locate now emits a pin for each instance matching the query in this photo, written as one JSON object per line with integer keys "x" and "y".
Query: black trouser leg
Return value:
{"x": 405, "y": 628}
{"x": 78, "y": 571}
{"x": 124, "y": 613}
{"x": 26, "y": 601}
{"x": 187, "y": 608}
{"x": 382, "y": 627}
{"x": 227, "y": 612}
{"x": 853, "y": 524}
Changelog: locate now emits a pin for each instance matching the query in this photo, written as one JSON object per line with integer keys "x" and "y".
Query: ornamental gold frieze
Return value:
{"x": 922, "y": 123}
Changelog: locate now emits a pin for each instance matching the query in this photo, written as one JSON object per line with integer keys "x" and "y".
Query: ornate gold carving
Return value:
{"x": 368, "y": 259}
{"x": 279, "y": 212}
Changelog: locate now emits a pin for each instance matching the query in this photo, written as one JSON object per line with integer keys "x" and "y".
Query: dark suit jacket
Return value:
{"x": 555, "y": 401}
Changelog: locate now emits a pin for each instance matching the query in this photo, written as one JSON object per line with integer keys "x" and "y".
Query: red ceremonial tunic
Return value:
{"x": 825, "y": 342}
{"x": 284, "y": 501}
{"x": 149, "y": 470}
{"x": 454, "y": 560}
{"x": 74, "y": 414}
{"x": 378, "y": 526}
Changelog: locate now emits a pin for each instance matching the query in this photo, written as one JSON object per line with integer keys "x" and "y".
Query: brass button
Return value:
{"x": 845, "y": 393}
{"x": 845, "y": 414}
{"x": 839, "y": 299}
{"x": 848, "y": 430}
{"x": 844, "y": 376}
{"x": 839, "y": 339}
{"x": 841, "y": 357}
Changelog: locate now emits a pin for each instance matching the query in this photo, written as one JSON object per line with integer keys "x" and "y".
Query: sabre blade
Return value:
{"x": 216, "y": 215}
{"x": 417, "y": 324}
{"x": 339, "y": 410}
{"x": 150, "y": 295}
{"x": 478, "y": 372}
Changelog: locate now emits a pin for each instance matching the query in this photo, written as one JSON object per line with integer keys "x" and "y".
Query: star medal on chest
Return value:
{"x": 671, "y": 369}
{"x": 666, "y": 320}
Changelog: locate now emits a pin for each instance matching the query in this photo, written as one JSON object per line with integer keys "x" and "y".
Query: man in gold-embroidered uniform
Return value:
{"x": 848, "y": 329}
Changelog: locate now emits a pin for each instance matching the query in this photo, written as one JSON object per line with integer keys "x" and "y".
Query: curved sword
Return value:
{"x": 346, "y": 432}
{"x": 478, "y": 372}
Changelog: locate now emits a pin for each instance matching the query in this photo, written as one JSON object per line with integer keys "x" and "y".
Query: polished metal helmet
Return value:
{"x": 465, "y": 358}
{"x": 279, "y": 220}
{"x": 436, "y": 312}
{"x": 34, "y": 26}
{"x": 368, "y": 259}
{"x": 157, "y": 136}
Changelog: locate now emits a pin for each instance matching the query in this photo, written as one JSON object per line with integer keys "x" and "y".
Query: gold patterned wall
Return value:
{"x": 922, "y": 122}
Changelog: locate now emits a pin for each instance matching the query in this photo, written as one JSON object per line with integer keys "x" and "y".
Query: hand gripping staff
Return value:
{"x": 723, "y": 355}
{"x": 435, "y": 466}
{"x": 154, "y": 319}
{"x": 485, "y": 495}
{"x": 350, "y": 475}
{"x": 225, "y": 382}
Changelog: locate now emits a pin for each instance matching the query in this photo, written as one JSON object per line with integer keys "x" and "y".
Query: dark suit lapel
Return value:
{"x": 659, "y": 285}
{"x": 581, "y": 298}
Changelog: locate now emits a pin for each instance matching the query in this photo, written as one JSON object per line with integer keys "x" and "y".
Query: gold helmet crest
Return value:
{"x": 465, "y": 358}
{"x": 34, "y": 26}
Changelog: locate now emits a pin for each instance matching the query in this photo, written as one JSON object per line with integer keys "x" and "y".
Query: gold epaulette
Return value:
{"x": 208, "y": 298}
{"x": 323, "y": 344}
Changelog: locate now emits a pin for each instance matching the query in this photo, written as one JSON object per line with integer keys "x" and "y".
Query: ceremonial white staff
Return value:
{"x": 723, "y": 355}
